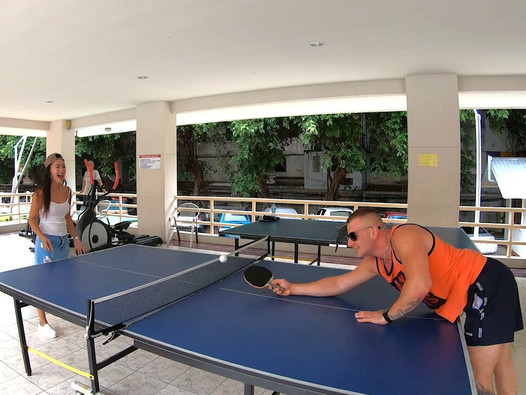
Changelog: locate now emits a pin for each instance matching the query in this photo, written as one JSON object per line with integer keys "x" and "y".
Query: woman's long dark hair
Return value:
{"x": 46, "y": 189}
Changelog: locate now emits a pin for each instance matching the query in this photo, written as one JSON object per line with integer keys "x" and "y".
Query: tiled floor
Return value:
{"x": 139, "y": 373}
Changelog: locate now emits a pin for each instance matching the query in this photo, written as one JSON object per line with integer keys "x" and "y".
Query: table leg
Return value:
{"x": 22, "y": 335}
{"x": 296, "y": 253}
{"x": 92, "y": 358}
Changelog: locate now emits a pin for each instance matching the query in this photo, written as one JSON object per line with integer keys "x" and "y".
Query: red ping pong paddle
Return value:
{"x": 260, "y": 277}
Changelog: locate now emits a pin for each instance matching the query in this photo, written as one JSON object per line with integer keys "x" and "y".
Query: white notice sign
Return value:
{"x": 149, "y": 162}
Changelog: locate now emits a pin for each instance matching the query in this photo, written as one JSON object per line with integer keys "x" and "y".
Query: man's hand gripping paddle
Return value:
{"x": 260, "y": 277}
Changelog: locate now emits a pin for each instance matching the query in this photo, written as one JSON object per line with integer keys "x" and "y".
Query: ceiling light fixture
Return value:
{"x": 142, "y": 77}
{"x": 49, "y": 101}
{"x": 107, "y": 129}
{"x": 316, "y": 44}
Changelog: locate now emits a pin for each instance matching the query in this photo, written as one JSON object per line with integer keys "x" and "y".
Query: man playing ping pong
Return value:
{"x": 426, "y": 269}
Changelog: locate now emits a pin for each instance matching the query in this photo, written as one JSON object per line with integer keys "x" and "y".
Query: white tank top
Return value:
{"x": 54, "y": 223}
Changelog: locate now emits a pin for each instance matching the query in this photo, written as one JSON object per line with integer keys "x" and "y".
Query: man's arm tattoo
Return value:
{"x": 410, "y": 306}
{"x": 483, "y": 391}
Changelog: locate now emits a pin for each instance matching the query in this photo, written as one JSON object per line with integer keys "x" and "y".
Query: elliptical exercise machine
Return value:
{"x": 98, "y": 235}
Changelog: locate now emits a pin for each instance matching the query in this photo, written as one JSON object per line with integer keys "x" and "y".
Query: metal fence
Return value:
{"x": 14, "y": 208}
{"x": 503, "y": 236}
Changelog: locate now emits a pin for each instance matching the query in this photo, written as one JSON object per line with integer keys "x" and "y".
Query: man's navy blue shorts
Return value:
{"x": 493, "y": 311}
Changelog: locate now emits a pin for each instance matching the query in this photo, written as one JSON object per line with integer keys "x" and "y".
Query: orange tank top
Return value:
{"x": 452, "y": 272}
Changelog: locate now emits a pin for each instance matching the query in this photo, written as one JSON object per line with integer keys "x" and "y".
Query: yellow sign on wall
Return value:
{"x": 428, "y": 160}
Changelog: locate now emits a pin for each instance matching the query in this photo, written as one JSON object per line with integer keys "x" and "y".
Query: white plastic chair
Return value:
{"x": 184, "y": 216}
{"x": 102, "y": 209}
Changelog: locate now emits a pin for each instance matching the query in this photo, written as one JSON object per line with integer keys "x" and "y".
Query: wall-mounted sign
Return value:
{"x": 428, "y": 160}
{"x": 150, "y": 162}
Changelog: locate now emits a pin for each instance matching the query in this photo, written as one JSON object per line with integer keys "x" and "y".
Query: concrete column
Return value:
{"x": 434, "y": 149}
{"x": 60, "y": 138}
{"x": 156, "y": 167}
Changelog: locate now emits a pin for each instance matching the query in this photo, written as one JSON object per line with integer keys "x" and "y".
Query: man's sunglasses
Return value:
{"x": 354, "y": 237}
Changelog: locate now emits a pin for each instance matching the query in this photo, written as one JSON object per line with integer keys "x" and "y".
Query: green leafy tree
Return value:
{"x": 468, "y": 160}
{"x": 34, "y": 169}
{"x": 388, "y": 143}
{"x": 104, "y": 150}
{"x": 261, "y": 147}
{"x": 357, "y": 142}
{"x": 190, "y": 140}
{"x": 498, "y": 119}
{"x": 188, "y": 163}
{"x": 516, "y": 126}
{"x": 339, "y": 138}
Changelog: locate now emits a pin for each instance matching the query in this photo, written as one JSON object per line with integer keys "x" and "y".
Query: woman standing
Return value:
{"x": 50, "y": 220}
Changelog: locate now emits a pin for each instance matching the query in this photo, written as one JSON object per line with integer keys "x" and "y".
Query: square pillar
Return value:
{"x": 156, "y": 167}
{"x": 60, "y": 138}
{"x": 434, "y": 149}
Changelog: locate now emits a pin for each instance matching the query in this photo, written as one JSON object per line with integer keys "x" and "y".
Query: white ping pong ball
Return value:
{"x": 223, "y": 258}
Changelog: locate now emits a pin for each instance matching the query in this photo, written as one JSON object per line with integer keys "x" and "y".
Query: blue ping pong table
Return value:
{"x": 319, "y": 233}
{"x": 295, "y": 345}
{"x": 310, "y": 232}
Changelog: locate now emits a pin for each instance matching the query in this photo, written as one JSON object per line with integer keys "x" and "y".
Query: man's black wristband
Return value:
{"x": 385, "y": 314}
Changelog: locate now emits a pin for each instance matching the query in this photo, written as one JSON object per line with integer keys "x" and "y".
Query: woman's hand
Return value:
{"x": 79, "y": 247}
{"x": 46, "y": 243}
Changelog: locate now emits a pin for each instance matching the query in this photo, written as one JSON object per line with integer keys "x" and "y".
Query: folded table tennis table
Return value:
{"x": 295, "y": 345}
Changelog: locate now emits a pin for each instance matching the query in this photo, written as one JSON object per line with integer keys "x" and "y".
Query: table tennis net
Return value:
{"x": 141, "y": 301}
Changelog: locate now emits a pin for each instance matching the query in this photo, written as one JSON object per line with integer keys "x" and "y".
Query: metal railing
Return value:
{"x": 507, "y": 227}
{"x": 213, "y": 207}
{"x": 14, "y": 207}
{"x": 508, "y": 230}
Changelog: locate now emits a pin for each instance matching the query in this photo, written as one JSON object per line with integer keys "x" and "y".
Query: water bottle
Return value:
{"x": 273, "y": 210}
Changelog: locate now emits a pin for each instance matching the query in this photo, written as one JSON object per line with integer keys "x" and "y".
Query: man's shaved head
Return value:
{"x": 367, "y": 215}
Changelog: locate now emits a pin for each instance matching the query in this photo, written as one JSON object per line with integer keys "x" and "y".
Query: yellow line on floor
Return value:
{"x": 55, "y": 361}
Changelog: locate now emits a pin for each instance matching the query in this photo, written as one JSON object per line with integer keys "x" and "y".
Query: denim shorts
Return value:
{"x": 60, "y": 249}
